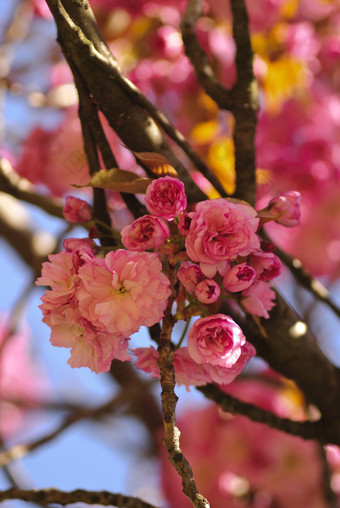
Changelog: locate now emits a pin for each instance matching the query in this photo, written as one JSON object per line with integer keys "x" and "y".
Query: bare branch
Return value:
{"x": 48, "y": 496}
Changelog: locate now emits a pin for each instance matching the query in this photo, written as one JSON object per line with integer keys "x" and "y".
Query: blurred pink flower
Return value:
{"x": 165, "y": 197}
{"x": 215, "y": 340}
{"x": 184, "y": 223}
{"x": 123, "y": 291}
{"x": 77, "y": 210}
{"x": 220, "y": 231}
{"x": 145, "y": 233}
{"x": 239, "y": 277}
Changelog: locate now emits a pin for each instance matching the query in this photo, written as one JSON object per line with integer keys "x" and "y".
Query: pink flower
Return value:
{"x": 239, "y": 278}
{"x": 286, "y": 208}
{"x": 184, "y": 223}
{"x": 207, "y": 291}
{"x": 266, "y": 264}
{"x": 145, "y": 233}
{"x": 224, "y": 376}
{"x": 190, "y": 274}
{"x": 215, "y": 340}
{"x": 221, "y": 231}
{"x": 77, "y": 210}
{"x": 90, "y": 347}
{"x": 258, "y": 299}
{"x": 123, "y": 291}
{"x": 80, "y": 244}
{"x": 165, "y": 197}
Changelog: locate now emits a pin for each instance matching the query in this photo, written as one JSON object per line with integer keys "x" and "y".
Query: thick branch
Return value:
{"x": 48, "y": 496}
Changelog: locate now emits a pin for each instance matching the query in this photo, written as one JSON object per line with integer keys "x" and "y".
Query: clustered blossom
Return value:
{"x": 96, "y": 302}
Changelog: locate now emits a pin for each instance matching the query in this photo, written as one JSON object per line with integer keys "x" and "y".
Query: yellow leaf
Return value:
{"x": 157, "y": 163}
{"x": 119, "y": 180}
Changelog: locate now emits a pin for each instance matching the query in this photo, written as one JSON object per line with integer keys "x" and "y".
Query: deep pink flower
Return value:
{"x": 190, "y": 274}
{"x": 266, "y": 264}
{"x": 77, "y": 210}
{"x": 216, "y": 340}
{"x": 184, "y": 223}
{"x": 258, "y": 299}
{"x": 239, "y": 278}
{"x": 221, "y": 231}
{"x": 286, "y": 208}
{"x": 207, "y": 291}
{"x": 145, "y": 233}
{"x": 123, "y": 291}
{"x": 165, "y": 197}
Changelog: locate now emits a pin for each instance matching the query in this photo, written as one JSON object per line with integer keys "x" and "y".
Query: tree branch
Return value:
{"x": 49, "y": 496}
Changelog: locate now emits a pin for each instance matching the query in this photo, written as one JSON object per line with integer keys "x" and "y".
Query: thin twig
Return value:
{"x": 169, "y": 401}
{"x": 49, "y": 496}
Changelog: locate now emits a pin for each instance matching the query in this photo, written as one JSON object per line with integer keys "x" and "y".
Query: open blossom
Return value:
{"x": 220, "y": 231}
{"x": 77, "y": 210}
{"x": 286, "y": 208}
{"x": 190, "y": 274}
{"x": 258, "y": 299}
{"x": 216, "y": 340}
{"x": 90, "y": 346}
{"x": 207, "y": 291}
{"x": 145, "y": 233}
{"x": 266, "y": 264}
{"x": 123, "y": 291}
{"x": 165, "y": 197}
{"x": 239, "y": 277}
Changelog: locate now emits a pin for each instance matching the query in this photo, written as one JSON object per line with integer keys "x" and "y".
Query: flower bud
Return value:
{"x": 145, "y": 233}
{"x": 77, "y": 210}
{"x": 286, "y": 208}
{"x": 207, "y": 291}
{"x": 240, "y": 277}
{"x": 165, "y": 197}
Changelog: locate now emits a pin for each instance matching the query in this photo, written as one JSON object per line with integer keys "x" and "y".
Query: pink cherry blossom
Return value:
{"x": 184, "y": 223}
{"x": 286, "y": 208}
{"x": 207, "y": 291}
{"x": 145, "y": 233}
{"x": 77, "y": 210}
{"x": 165, "y": 197}
{"x": 239, "y": 277}
{"x": 258, "y": 299}
{"x": 215, "y": 340}
{"x": 123, "y": 291}
{"x": 190, "y": 274}
{"x": 222, "y": 375}
{"x": 85, "y": 245}
{"x": 220, "y": 231}
{"x": 266, "y": 264}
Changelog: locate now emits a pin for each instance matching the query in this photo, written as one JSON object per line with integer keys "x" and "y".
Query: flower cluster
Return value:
{"x": 97, "y": 302}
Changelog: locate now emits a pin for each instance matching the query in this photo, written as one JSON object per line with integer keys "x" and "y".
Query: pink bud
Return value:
{"x": 184, "y": 223}
{"x": 165, "y": 197}
{"x": 240, "y": 277}
{"x": 286, "y": 208}
{"x": 77, "y": 210}
{"x": 145, "y": 233}
{"x": 266, "y": 265}
{"x": 190, "y": 275}
{"x": 207, "y": 291}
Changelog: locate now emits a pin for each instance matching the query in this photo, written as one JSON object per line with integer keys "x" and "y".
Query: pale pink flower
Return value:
{"x": 77, "y": 210}
{"x": 286, "y": 208}
{"x": 220, "y": 231}
{"x": 145, "y": 233}
{"x": 147, "y": 360}
{"x": 60, "y": 274}
{"x": 240, "y": 277}
{"x": 207, "y": 291}
{"x": 215, "y": 340}
{"x": 123, "y": 291}
{"x": 190, "y": 274}
{"x": 187, "y": 371}
{"x": 258, "y": 299}
{"x": 165, "y": 197}
{"x": 266, "y": 264}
